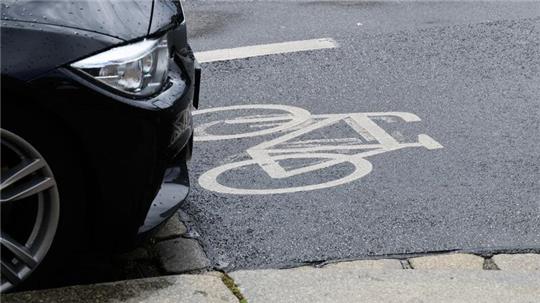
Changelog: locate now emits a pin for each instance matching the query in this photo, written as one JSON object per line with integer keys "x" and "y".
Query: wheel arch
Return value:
{"x": 25, "y": 113}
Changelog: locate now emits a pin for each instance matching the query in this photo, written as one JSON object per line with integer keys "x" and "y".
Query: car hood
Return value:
{"x": 123, "y": 19}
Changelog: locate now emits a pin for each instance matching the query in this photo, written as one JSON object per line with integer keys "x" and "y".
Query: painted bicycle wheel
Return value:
{"x": 228, "y": 178}
{"x": 246, "y": 121}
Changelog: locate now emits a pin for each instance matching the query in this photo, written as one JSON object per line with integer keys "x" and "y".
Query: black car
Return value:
{"x": 96, "y": 127}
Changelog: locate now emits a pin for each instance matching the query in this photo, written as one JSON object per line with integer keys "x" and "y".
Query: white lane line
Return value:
{"x": 265, "y": 49}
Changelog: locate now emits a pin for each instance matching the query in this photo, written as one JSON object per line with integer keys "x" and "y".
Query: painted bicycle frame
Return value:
{"x": 295, "y": 124}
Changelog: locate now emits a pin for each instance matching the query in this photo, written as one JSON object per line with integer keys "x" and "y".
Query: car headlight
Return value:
{"x": 139, "y": 69}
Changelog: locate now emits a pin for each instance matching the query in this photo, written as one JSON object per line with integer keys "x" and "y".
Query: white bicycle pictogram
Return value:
{"x": 292, "y": 123}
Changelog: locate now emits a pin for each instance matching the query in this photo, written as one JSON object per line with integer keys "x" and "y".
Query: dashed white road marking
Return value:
{"x": 265, "y": 49}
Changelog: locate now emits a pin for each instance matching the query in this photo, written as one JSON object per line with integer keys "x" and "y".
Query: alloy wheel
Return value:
{"x": 30, "y": 209}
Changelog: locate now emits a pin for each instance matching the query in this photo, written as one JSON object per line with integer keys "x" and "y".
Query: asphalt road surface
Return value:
{"x": 313, "y": 177}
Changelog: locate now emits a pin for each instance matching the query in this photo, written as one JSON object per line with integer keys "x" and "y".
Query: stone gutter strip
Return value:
{"x": 176, "y": 252}
{"x": 518, "y": 262}
{"x": 437, "y": 278}
{"x": 450, "y": 261}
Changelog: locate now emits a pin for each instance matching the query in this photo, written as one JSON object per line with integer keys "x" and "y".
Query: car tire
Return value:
{"x": 55, "y": 147}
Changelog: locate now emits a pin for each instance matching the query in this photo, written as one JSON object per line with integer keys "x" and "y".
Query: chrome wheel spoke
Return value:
{"x": 25, "y": 168}
{"x": 20, "y": 251}
{"x": 32, "y": 187}
{"x": 28, "y": 227}
{"x": 9, "y": 273}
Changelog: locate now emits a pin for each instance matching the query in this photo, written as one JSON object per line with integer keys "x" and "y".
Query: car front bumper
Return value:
{"x": 133, "y": 152}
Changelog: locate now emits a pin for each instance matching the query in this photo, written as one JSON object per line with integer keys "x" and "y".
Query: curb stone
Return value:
{"x": 181, "y": 255}
{"x": 367, "y": 264}
{"x": 518, "y": 262}
{"x": 172, "y": 229}
{"x": 184, "y": 288}
{"x": 450, "y": 261}
{"x": 310, "y": 285}
{"x": 452, "y": 278}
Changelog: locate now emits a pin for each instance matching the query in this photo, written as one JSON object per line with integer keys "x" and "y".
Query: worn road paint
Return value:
{"x": 292, "y": 117}
{"x": 264, "y": 49}
{"x": 266, "y": 155}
